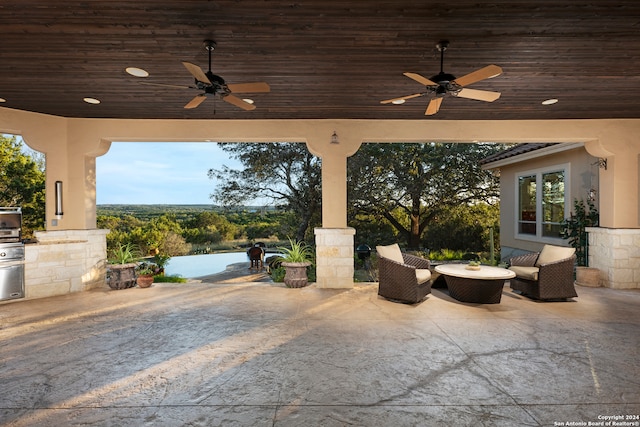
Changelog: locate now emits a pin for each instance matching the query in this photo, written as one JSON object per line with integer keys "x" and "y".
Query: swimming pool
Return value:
{"x": 202, "y": 265}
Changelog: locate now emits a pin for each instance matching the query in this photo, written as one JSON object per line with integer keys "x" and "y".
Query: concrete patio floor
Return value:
{"x": 260, "y": 354}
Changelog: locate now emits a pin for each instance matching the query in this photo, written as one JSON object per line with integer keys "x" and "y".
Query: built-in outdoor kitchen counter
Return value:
{"x": 11, "y": 254}
{"x": 62, "y": 262}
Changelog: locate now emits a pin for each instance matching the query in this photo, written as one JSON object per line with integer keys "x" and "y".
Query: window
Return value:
{"x": 541, "y": 203}
{"x": 527, "y": 197}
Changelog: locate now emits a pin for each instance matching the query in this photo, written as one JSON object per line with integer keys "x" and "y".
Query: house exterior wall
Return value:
{"x": 582, "y": 177}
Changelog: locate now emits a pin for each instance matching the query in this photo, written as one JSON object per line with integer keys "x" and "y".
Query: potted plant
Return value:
{"x": 574, "y": 229}
{"x": 161, "y": 261}
{"x": 121, "y": 268}
{"x": 295, "y": 261}
{"x": 145, "y": 272}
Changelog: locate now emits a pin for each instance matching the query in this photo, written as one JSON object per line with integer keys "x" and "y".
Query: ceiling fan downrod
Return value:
{"x": 443, "y": 79}
{"x": 442, "y": 46}
{"x": 210, "y": 45}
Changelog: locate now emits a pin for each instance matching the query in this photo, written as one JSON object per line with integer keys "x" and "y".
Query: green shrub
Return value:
{"x": 446, "y": 255}
{"x": 277, "y": 274}
{"x": 574, "y": 228}
{"x": 169, "y": 279}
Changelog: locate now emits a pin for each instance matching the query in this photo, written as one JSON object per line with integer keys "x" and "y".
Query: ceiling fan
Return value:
{"x": 443, "y": 84}
{"x": 213, "y": 85}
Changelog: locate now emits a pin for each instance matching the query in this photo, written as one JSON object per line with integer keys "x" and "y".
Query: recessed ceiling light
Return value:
{"x": 91, "y": 100}
{"x": 248, "y": 100}
{"x": 138, "y": 72}
{"x": 550, "y": 101}
{"x": 398, "y": 101}
{"x": 3, "y": 100}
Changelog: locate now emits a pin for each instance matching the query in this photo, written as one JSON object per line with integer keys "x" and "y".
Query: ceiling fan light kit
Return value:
{"x": 443, "y": 84}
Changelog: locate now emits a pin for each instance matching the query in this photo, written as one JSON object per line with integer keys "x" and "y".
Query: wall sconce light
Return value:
{"x": 334, "y": 138}
{"x": 602, "y": 163}
{"x": 59, "y": 199}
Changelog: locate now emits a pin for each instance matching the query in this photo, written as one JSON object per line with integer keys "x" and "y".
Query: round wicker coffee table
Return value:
{"x": 483, "y": 286}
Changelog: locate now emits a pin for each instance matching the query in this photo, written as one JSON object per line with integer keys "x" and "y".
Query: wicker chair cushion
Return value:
{"x": 528, "y": 273}
{"x": 423, "y": 275}
{"x": 552, "y": 253}
{"x": 391, "y": 252}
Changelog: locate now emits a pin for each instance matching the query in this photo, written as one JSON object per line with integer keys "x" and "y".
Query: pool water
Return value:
{"x": 203, "y": 265}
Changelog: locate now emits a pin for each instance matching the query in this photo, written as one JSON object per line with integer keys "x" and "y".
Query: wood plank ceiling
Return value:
{"x": 324, "y": 59}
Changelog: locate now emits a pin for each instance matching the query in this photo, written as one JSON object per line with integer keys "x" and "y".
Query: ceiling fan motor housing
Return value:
{"x": 218, "y": 85}
{"x": 443, "y": 78}
{"x": 446, "y": 83}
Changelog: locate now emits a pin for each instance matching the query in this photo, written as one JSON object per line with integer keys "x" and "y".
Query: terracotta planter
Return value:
{"x": 295, "y": 274}
{"x": 121, "y": 276}
{"x": 144, "y": 281}
{"x": 588, "y": 276}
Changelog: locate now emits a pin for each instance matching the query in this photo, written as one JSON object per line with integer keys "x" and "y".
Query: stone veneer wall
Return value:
{"x": 65, "y": 261}
{"x": 334, "y": 257}
{"x": 616, "y": 252}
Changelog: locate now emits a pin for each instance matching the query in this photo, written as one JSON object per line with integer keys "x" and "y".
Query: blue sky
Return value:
{"x": 158, "y": 173}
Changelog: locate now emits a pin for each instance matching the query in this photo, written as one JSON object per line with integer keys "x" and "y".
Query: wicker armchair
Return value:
{"x": 547, "y": 275}
{"x": 402, "y": 277}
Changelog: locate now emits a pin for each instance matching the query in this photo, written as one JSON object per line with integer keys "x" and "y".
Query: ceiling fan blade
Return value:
{"x": 389, "y": 101}
{"x": 434, "y": 106}
{"x": 481, "y": 74}
{"x": 423, "y": 80}
{"x": 480, "y": 95}
{"x": 166, "y": 85}
{"x": 197, "y": 72}
{"x": 256, "y": 87}
{"x": 199, "y": 99}
{"x": 239, "y": 102}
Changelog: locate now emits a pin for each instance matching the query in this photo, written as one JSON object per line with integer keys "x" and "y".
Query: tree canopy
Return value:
{"x": 22, "y": 182}
{"x": 410, "y": 184}
{"x": 403, "y": 186}
{"x": 285, "y": 173}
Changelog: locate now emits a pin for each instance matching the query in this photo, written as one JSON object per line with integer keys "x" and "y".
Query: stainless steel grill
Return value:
{"x": 11, "y": 254}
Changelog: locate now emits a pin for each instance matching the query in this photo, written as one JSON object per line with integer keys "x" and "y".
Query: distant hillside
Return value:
{"x": 180, "y": 211}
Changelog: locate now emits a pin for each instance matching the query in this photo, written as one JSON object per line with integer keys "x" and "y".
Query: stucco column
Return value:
{"x": 334, "y": 191}
{"x": 614, "y": 246}
{"x": 333, "y": 148}
{"x": 74, "y": 163}
{"x": 619, "y": 179}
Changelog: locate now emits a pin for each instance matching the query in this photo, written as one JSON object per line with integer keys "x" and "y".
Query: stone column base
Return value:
{"x": 616, "y": 253}
{"x": 334, "y": 257}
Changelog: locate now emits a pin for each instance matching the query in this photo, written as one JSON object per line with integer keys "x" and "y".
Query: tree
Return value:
{"x": 209, "y": 227}
{"x": 286, "y": 173}
{"x": 22, "y": 182}
{"x": 409, "y": 185}
{"x": 464, "y": 228}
